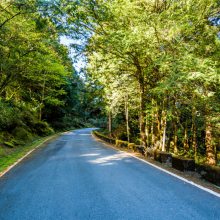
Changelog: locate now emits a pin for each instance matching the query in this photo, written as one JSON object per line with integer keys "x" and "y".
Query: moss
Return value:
{"x": 21, "y": 135}
{"x": 104, "y": 137}
{"x": 120, "y": 143}
{"x": 9, "y": 144}
{"x": 2, "y": 151}
{"x": 8, "y": 156}
{"x": 131, "y": 146}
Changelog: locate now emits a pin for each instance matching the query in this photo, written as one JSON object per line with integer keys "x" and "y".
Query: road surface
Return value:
{"x": 76, "y": 177}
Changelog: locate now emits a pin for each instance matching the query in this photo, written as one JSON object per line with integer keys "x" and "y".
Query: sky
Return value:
{"x": 78, "y": 62}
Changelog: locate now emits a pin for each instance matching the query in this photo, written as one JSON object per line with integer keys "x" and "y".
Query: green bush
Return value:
{"x": 22, "y": 135}
{"x": 42, "y": 128}
{"x": 9, "y": 117}
{"x": 28, "y": 118}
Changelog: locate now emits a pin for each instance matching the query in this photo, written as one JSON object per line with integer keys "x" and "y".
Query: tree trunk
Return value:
{"x": 194, "y": 142}
{"x": 147, "y": 132}
{"x": 175, "y": 138}
{"x": 194, "y": 136}
{"x": 127, "y": 119}
{"x": 157, "y": 142}
{"x": 164, "y": 118}
{"x": 141, "y": 81}
{"x": 152, "y": 130}
{"x": 175, "y": 122}
{"x": 186, "y": 141}
{"x": 110, "y": 123}
{"x": 210, "y": 149}
{"x": 42, "y": 98}
{"x": 142, "y": 114}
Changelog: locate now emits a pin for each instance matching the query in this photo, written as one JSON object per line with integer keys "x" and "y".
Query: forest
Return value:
{"x": 151, "y": 75}
{"x": 40, "y": 91}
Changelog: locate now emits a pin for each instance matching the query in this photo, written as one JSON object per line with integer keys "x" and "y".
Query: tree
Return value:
{"x": 159, "y": 45}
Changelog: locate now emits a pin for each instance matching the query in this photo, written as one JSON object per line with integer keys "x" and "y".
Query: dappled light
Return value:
{"x": 85, "y": 134}
{"x": 89, "y": 155}
{"x": 109, "y": 160}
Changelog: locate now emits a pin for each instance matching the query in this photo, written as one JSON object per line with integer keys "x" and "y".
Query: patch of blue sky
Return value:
{"x": 79, "y": 60}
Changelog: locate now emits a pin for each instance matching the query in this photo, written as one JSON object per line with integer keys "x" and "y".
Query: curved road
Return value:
{"x": 76, "y": 177}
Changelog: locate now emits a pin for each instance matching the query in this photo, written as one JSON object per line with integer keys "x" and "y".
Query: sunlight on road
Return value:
{"x": 109, "y": 160}
{"x": 84, "y": 134}
{"x": 89, "y": 155}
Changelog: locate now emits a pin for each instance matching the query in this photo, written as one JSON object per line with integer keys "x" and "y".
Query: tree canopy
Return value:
{"x": 167, "y": 54}
{"x": 152, "y": 69}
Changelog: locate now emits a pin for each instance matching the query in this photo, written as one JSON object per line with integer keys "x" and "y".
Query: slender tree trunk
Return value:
{"x": 127, "y": 119}
{"x": 168, "y": 148}
{"x": 186, "y": 141}
{"x": 210, "y": 149}
{"x": 158, "y": 132}
{"x": 161, "y": 131}
{"x": 142, "y": 114}
{"x": 164, "y": 116}
{"x": 110, "y": 122}
{"x": 42, "y": 99}
{"x": 152, "y": 130}
{"x": 194, "y": 142}
{"x": 194, "y": 136}
{"x": 147, "y": 132}
{"x": 175, "y": 138}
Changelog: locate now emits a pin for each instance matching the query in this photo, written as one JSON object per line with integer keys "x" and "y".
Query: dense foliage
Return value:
{"x": 152, "y": 71}
{"x": 40, "y": 91}
{"x": 158, "y": 65}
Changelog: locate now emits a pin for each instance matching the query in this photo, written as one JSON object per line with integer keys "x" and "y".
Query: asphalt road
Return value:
{"x": 76, "y": 177}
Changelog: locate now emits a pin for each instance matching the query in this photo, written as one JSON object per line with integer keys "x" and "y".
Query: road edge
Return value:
{"x": 159, "y": 168}
{"x": 29, "y": 152}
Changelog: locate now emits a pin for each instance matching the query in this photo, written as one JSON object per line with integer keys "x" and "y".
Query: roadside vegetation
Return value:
{"x": 40, "y": 91}
{"x": 157, "y": 63}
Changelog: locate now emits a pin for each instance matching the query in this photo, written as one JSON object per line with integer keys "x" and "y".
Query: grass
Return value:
{"x": 8, "y": 156}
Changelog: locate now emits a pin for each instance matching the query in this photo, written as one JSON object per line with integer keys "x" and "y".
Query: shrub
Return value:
{"x": 9, "y": 117}
{"x": 42, "y": 128}
{"x": 28, "y": 118}
{"x": 22, "y": 135}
